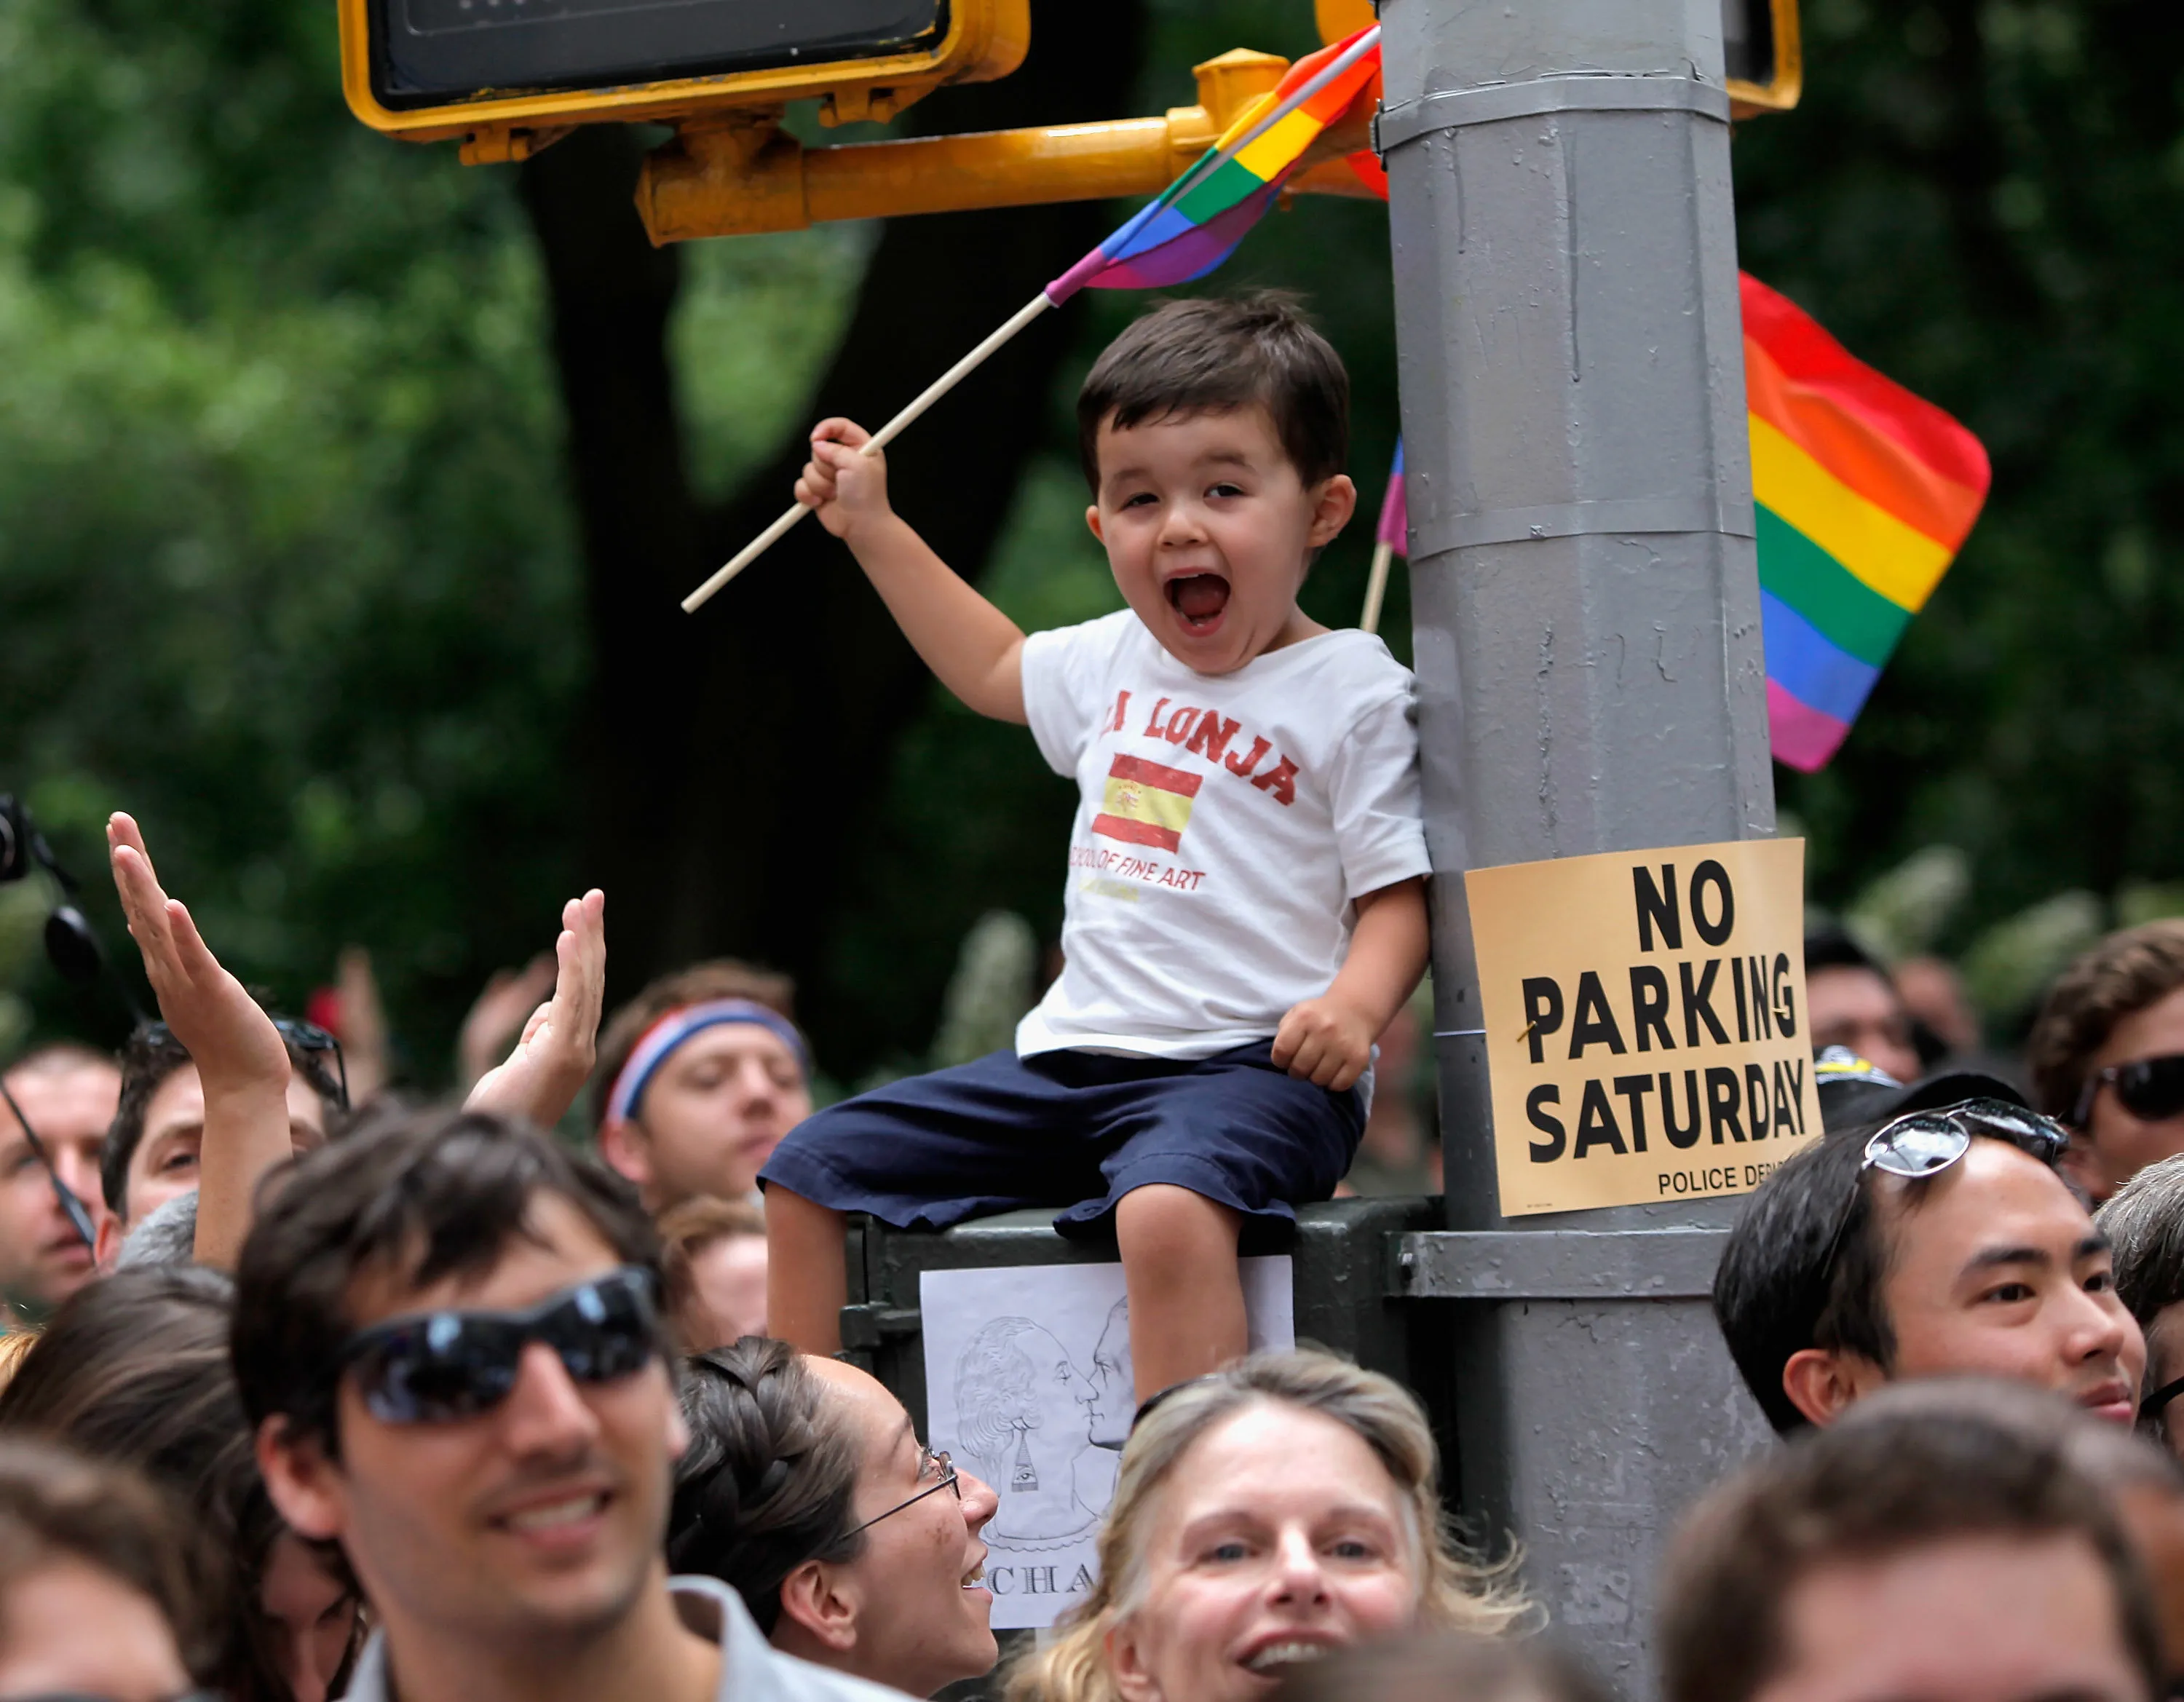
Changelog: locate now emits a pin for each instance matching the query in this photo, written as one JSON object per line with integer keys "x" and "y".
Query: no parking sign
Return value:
{"x": 1645, "y": 1022}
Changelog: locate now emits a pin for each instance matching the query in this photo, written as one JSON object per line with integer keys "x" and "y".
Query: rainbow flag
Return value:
{"x": 1198, "y": 221}
{"x": 1864, "y": 494}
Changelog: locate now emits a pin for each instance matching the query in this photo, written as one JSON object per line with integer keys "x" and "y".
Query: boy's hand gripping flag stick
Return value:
{"x": 1194, "y": 225}
{"x": 1390, "y": 537}
{"x": 880, "y": 439}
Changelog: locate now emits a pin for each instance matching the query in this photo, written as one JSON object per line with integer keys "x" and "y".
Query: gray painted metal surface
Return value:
{"x": 1588, "y": 651}
{"x": 1566, "y": 1265}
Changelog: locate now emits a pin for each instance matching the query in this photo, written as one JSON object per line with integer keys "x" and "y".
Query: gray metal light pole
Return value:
{"x": 1588, "y": 662}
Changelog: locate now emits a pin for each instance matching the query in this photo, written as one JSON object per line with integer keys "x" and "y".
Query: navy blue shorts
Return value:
{"x": 1006, "y": 1132}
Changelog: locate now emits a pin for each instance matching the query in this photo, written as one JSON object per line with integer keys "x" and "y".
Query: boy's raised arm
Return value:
{"x": 975, "y": 649}
{"x": 242, "y": 1061}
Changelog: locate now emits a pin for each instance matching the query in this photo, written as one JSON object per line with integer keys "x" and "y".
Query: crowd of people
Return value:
{"x": 311, "y": 1391}
{"x": 334, "y": 1392}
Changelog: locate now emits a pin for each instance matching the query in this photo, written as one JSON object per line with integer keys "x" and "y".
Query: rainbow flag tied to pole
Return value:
{"x": 1190, "y": 229}
{"x": 1864, "y": 494}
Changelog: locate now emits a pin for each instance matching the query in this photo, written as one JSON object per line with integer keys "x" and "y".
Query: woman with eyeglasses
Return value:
{"x": 96, "y": 1601}
{"x": 806, "y": 1488}
{"x": 1265, "y": 1516}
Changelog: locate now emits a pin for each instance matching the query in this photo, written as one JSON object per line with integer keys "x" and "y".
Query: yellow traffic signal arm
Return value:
{"x": 739, "y": 174}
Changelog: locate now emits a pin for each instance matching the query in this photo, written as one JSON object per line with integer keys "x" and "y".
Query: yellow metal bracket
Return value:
{"x": 1779, "y": 93}
{"x": 738, "y": 174}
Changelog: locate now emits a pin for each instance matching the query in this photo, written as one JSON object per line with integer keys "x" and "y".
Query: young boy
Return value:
{"x": 1246, "y": 909}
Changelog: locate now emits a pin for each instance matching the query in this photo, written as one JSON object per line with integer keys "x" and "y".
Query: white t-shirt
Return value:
{"x": 1226, "y": 825}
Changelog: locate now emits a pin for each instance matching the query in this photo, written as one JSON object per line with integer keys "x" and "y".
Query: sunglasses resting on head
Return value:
{"x": 304, "y": 1036}
{"x": 1923, "y": 1144}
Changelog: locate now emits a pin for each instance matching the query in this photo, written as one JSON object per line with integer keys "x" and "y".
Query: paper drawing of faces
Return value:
{"x": 1021, "y": 1413}
{"x": 1114, "y": 1376}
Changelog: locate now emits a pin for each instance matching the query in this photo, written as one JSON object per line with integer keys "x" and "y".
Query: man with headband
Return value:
{"x": 700, "y": 1077}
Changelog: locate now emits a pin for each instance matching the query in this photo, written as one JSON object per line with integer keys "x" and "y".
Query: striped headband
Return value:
{"x": 658, "y": 1042}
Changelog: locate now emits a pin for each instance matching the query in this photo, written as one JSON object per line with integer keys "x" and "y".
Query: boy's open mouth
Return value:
{"x": 1199, "y": 598}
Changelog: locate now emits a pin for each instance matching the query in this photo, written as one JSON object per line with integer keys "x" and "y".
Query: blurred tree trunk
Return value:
{"x": 728, "y": 759}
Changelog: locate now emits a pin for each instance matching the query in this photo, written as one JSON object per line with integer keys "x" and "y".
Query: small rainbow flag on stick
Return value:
{"x": 1391, "y": 538}
{"x": 1865, "y": 494}
{"x": 1194, "y": 225}
{"x": 1198, "y": 221}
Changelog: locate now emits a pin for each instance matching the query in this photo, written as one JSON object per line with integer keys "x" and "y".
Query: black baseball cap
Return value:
{"x": 1855, "y": 1090}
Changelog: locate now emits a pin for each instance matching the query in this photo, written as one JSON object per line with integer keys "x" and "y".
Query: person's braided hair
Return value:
{"x": 767, "y": 1480}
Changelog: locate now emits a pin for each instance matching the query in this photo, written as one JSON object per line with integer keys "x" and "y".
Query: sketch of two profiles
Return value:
{"x": 1029, "y": 1385}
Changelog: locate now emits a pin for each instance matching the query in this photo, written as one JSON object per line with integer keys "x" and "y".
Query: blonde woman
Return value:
{"x": 1264, "y": 1515}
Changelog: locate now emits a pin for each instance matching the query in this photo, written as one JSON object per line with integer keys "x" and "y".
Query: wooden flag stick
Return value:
{"x": 880, "y": 439}
{"x": 1376, "y": 586}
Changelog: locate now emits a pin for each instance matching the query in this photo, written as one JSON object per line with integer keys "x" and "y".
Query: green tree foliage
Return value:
{"x": 1985, "y": 198}
{"x": 285, "y": 566}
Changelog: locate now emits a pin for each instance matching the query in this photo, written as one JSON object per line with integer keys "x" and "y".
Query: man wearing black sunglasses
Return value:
{"x": 1940, "y": 1240}
{"x": 446, "y": 1333}
{"x": 2107, "y": 1053}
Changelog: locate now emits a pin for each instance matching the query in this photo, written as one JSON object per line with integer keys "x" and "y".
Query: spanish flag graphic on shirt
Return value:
{"x": 1145, "y": 803}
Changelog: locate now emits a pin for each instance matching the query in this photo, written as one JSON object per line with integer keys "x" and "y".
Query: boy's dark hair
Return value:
{"x": 720, "y": 978}
{"x": 767, "y": 1480}
{"x": 1774, "y": 1292}
{"x": 2119, "y": 976}
{"x": 151, "y": 1055}
{"x": 1211, "y": 355}
{"x": 1870, "y": 1490}
{"x": 424, "y": 1195}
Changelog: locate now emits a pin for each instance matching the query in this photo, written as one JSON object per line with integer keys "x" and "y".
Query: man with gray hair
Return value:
{"x": 167, "y": 1235}
{"x": 2144, "y": 1223}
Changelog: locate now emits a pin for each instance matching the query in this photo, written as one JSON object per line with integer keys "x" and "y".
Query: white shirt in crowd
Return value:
{"x": 1226, "y": 825}
{"x": 752, "y": 1669}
